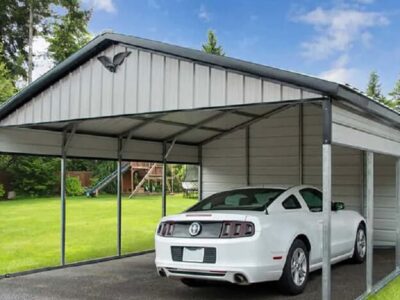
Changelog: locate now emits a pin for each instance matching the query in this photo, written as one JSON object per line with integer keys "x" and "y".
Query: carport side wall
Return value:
{"x": 274, "y": 159}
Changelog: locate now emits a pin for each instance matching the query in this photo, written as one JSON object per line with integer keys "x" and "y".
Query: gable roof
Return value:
{"x": 103, "y": 41}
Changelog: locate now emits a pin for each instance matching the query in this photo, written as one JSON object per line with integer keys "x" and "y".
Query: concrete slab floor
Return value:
{"x": 135, "y": 278}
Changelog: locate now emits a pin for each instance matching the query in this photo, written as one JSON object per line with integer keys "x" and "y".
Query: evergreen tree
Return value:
{"x": 211, "y": 46}
{"x": 374, "y": 87}
{"x": 395, "y": 95}
{"x": 69, "y": 33}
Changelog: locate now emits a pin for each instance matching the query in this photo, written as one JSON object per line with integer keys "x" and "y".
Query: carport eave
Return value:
{"x": 368, "y": 105}
{"x": 156, "y": 117}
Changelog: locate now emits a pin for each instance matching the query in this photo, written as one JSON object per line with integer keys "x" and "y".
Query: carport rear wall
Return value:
{"x": 278, "y": 155}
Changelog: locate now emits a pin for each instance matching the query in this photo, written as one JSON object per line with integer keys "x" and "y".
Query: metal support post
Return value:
{"x": 164, "y": 180}
{"x": 247, "y": 155}
{"x": 327, "y": 198}
{"x": 119, "y": 198}
{"x": 370, "y": 217}
{"x": 398, "y": 213}
{"x": 63, "y": 204}
{"x": 66, "y": 142}
{"x": 301, "y": 134}
{"x": 200, "y": 177}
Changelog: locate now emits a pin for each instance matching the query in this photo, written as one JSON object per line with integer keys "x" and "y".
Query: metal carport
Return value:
{"x": 242, "y": 123}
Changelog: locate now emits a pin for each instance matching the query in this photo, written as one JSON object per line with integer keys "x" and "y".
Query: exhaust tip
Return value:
{"x": 162, "y": 273}
{"x": 240, "y": 279}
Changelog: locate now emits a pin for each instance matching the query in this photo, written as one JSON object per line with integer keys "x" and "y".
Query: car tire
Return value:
{"x": 193, "y": 282}
{"x": 295, "y": 272}
{"x": 360, "y": 245}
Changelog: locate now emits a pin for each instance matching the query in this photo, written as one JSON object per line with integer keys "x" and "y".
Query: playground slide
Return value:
{"x": 106, "y": 180}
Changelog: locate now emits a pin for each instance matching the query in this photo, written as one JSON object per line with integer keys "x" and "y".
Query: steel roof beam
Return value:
{"x": 248, "y": 123}
{"x": 245, "y": 114}
{"x": 129, "y": 133}
{"x": 175, "y": 123}
{"x": 198, "y": 125}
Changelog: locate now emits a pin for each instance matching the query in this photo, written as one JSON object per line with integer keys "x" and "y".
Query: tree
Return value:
{"x": 7, "y": 88}
{"x": 395, "y": 95}
{"x": 211, "y": 46}
{"x": 374, "y": 87}
{"x": 374, "y": 91}
{"x": 17, "y": 20}
{"x": 69, "y": 33}
{"x": 23, "y": 20}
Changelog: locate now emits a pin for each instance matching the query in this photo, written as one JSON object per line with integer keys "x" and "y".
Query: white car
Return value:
{"x": 256, "y": 234}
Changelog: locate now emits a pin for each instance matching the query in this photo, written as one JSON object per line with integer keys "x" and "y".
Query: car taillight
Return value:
{"x": 234, "y": 229}
{"x": 165, "y": 228}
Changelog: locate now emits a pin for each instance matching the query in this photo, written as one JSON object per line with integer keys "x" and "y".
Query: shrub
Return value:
{"x": 74, "y": 186}
{"x": 34, "y": 176}
{"x": 2, "y": 191}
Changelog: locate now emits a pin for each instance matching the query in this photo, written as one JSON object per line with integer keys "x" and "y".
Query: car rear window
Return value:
{"x": 241, "y": 199}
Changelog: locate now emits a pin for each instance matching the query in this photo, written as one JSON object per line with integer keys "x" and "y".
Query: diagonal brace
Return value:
{"x": 68, "y": 134}
{"x": 248, "y": 123}
{"x": 197, "y": 126}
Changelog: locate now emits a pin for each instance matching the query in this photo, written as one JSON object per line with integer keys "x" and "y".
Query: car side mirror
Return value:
{"x": 337, "y": 206}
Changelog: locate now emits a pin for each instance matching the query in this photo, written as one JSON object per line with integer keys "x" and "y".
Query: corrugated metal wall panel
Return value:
{"x": 144, "y": 84}
{"x": 275, "y": 138}
{"x": 13, "y": 140}
{"x": 290, "y": 93}
{"x": 75, "y": 100}
{"x": 271, "y": 91}
{"x": 201, "y": 86}
{"x": 119, "y": 84}
{"x": 224, "y": 163}
{"x": 96, "y": 91}
{"x": 37, "y": 110}
{"x": 253, "y": 90}
{"x": 157, "y": 83}
{"x": 107, "y": 87}
{"x": 235, "y": 85}
{"x": 29, "y": 109}
{"x": 218, "y": 87}
{"x": 131, "y": 82}
{"x": 186, "y": 85}
{"x": 385, "y": 216}
{"x": 171, "y": 83}
{"x": 86, "y": 92}
{"x": 183, "y": 153}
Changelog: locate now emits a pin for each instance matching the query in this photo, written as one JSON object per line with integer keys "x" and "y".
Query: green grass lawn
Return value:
{"x": 389, "y": 292}
{"x": 30, "y": 231}
{"x": 30, "y": 228}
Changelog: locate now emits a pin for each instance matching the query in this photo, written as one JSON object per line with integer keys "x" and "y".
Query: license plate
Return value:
{"x": 193, "y": 254}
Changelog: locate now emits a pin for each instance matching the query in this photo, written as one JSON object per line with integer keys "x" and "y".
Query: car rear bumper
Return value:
{"x": 247, "y": 257}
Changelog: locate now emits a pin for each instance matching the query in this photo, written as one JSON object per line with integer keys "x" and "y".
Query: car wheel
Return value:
{"x": 295, "y": 272}
{"x": 193, "y": 282}
{"x": 360, "y": 245}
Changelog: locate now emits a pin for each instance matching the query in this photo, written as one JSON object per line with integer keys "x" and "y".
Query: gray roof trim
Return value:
{"x": 103, "y": 41}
